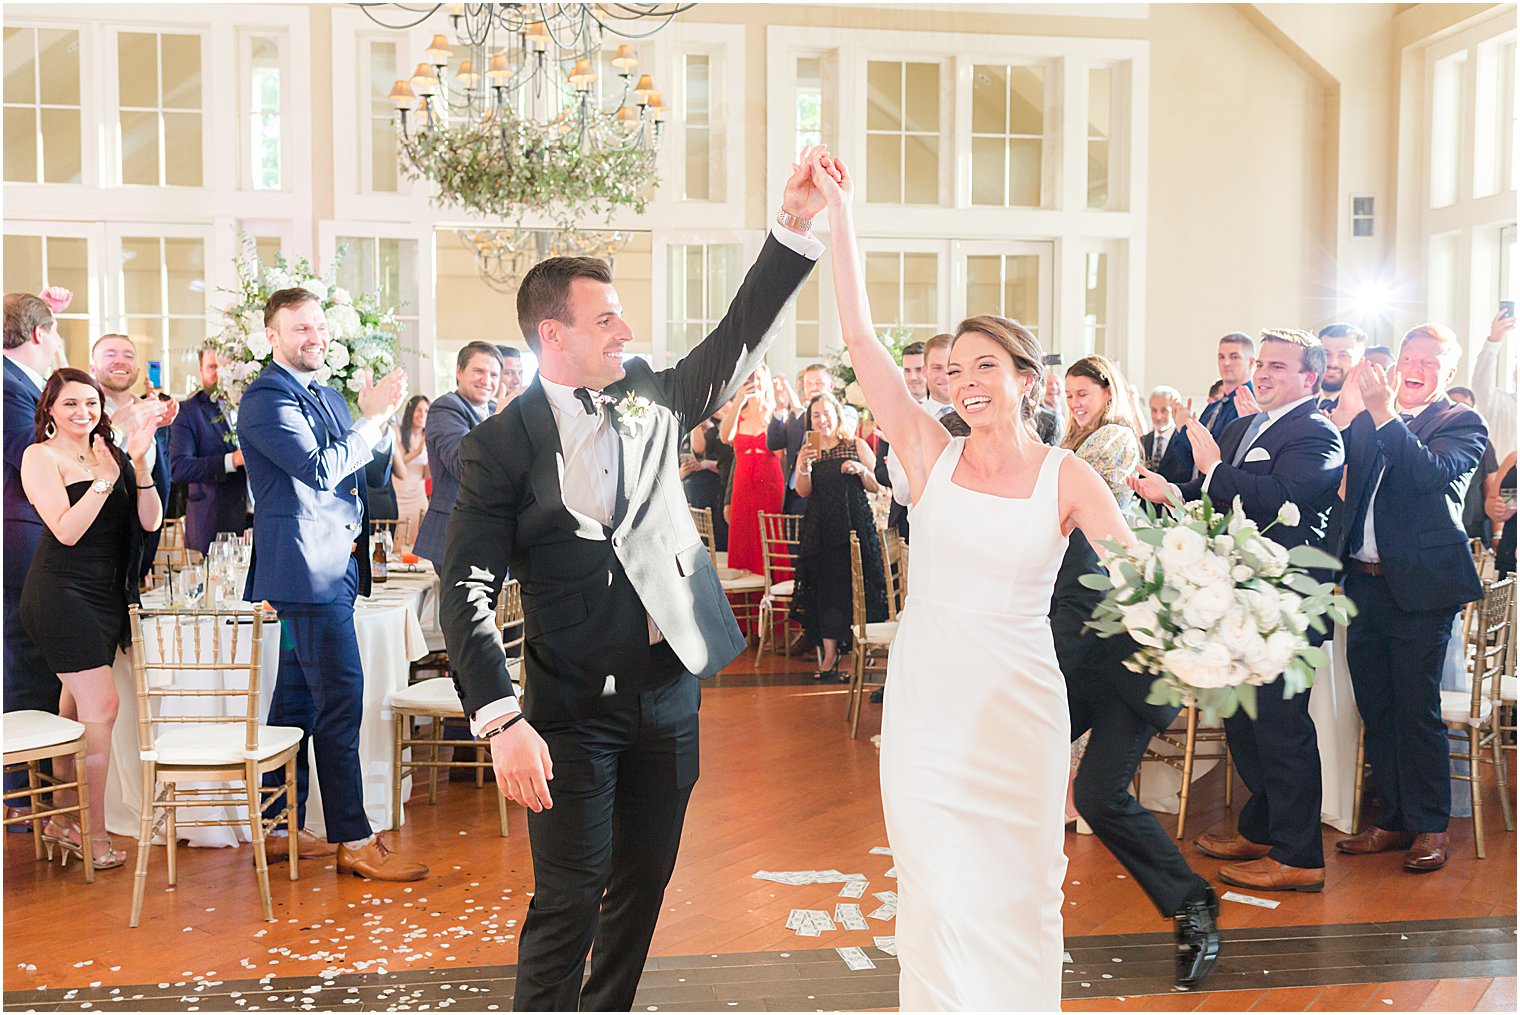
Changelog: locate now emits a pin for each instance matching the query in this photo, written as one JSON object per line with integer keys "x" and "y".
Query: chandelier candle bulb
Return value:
{"x": 438, "y": 50}
{"x": 642, "y": 90}
{"x": 424, "y": 81}
{"x": 625, "y": 60}
{"x": 498, "y": 71}
{"x": 402, "y": 96}
{"x": 467, "y": 77}
{"x": 581, "y": 75}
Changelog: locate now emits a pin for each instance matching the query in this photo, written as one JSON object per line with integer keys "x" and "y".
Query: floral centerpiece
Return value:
{"x": 361, "y": 332}
{"x": 1217, "y": 607}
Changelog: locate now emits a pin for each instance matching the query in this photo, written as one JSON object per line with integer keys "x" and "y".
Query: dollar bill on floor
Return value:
{"x": 890, "y": 898}
{"x": 881, "y": 851}
{"x": 1251, "y": 900}
{"x": 887, "y": 944}
{"x": 821, "y": 919}
{"x": 1066, "y": 956}
{"x": 886, "y": 911}
{"x": 855, "y": 958}
{"x": 848, "y": 913}
{"x": 795, "y": 919}
{"x": 892, "y": 871}
{"x": 853, "y": 889}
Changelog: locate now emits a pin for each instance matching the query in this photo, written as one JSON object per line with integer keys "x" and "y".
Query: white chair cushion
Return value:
{"x": 786, "y": 588}
{"x": 1507, "y": 688}
{"x": 881, "y": 633}
{"x": 218, "y": 744}
{"x": 1456, "y": 707}
{"x": 745, "y": 582}
{"x": 720, "y": 559}
{"x": 29, "y": 729}
{"x": 439, "y": 695}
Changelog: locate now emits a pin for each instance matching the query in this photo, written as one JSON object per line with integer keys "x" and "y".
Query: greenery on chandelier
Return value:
{"x": 506, "y": 166}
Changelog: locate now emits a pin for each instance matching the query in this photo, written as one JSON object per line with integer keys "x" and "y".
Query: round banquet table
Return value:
{"x": 391, "y": 635}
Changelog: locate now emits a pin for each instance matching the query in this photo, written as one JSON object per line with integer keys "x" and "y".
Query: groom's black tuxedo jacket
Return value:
{"x": 589, "y": 591}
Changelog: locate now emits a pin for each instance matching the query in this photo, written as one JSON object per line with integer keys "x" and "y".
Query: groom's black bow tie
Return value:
{"x": 586, "y": 400}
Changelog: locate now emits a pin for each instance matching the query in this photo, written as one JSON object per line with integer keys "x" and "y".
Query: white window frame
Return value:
{"x": 948, "y": 128}
{"x": 88, "y": 148}
{"x": 1050, "y": 147}
{"x": 660, "y": 242}
{"x": 245, "y": 106}
{"x": 960, "y": 274}
{"x": 419, "y": 362}
{"x": 723, "y": 45}
{"x": 94, "y": 235}
{"x": 943, "y": 306}
{"x": 110, "y": 62}
{"x": 115, "y": 319}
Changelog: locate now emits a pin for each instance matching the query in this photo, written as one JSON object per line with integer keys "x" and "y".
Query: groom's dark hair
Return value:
{"x": 545, "y": 291}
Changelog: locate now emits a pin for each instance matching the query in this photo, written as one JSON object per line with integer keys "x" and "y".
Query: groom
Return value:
{"x": 575, "y": 488}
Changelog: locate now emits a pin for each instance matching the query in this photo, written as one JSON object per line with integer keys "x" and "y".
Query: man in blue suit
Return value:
{"x": 310, "y": 560}
{"x": 1236, "y": 360}
{"x": 1410, "y": 454}
{"x": 204, "y": 455}
{"x": 477, "y": 375}
{"x": 32, "y": 345}
{"x": 1286, "y": 453}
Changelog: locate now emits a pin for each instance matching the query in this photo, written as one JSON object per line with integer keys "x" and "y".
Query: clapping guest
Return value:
{"x": 113, "y": 362}
{"x": 1103, "y": 430}
{"x": 759, "y": 485}
{"x": 1410, "y": 454}
{"x": 1344, "y": 345}
{"x": 1380, "y": 355}
{"x": 512, "y": 383}
{"x": 835, "y": 474}
{"x": 409, "y": 464}
{"x": 311, "y": 561}
{"x": 85, "y": 571}
{"x": 788, "y": 424}
{"x": 477, "y": 377}
{"x": 204, "y": 455}
{"x": 1236, "y": 359}
{"x": 1494, "y": 400}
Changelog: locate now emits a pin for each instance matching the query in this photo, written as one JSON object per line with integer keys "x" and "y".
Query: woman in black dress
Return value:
{"x": 835, "y": 475}
{"x": 74, "y": 602}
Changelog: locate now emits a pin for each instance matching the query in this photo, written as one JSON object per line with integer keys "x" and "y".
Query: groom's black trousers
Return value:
{"x": 603, "y": 854}
{"x": 1103, "y": 798}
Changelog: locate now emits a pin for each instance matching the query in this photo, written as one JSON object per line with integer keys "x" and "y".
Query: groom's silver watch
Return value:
{"x": 790, "y": 221}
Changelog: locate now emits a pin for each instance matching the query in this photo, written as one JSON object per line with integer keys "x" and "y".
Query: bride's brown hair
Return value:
{"x": 1017, "y": 342}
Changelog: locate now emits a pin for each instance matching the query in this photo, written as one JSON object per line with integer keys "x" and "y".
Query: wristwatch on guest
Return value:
{"x": 101, "y": 486}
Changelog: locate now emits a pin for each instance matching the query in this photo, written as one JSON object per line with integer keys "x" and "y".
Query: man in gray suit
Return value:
{"x": 477, "y": 374}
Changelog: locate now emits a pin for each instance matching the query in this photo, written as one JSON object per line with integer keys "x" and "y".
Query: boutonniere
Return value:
{"x": 635, "y": 409}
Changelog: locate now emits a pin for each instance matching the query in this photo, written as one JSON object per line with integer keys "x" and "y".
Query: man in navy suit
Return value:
{"x": 204, "y": 456}
{"x": 1286, "y": 453}
{"x": 477, "y": 376}
{"x": 113, "y": 362}
{"x": 32, "y": 345}
{"x": 310, "y": 560}
{"x": 1410, "y": 455}
{"x": 1236, "y": 359}
{"x": 1160, "y": 448}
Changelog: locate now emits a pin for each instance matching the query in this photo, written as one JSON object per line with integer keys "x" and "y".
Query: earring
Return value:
{"x": 50, "y": 431}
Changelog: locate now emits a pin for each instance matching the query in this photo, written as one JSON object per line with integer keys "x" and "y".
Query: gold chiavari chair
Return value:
{"x": 780, "y": 536}
{"x": 437, "y": 700}
{"x": 894, "y": 566}
{"x": 400, "y": 530}
{"x": 743, "y": 589}
{"x": 195, "y": 659}
{"x": 1186, "y": 738}
{"x": 1471, "y": 716}
{"x": 29, "y": 737}
{"x": 872, "y": 641}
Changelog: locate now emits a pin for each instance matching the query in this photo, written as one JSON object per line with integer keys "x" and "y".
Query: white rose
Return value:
{"x": 258, "y": 345}
{"x": 1288, "y": 515}
{"x": 1290, "y": 604}
{"x": 1204, "y": 608}
{"x": 1241, "y": 573}
{"x": 1281, "y": 647}
{"x": 315, "y": 286}
{"x": 1204, "y": 667}
{"x": 1237, "y": 627}
{"x": 1276, "y": 559}
{"x": 337, "y": 355}
{"x": 1194, "y": 638}
{"x": 1181, "y": 548}
{"x": 1258, "y": 658}
{"x": 1143, "y": 621}
{"x": 1210, "y": 570}
{"x": 324, "y": 374}
{"x": 1268, "y": 611}
{"x": 1224, "y": 544}
{"x": 853, "y": 395}
{"x": 355, "y": 383}
{"x": 340, "y": 296}
{"x": 343, "y": 323}
{"x": 277, "y": 279}
{"x": 1238, "y": 520}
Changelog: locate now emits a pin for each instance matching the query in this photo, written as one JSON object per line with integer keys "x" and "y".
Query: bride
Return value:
{"x": 975, "y": 732}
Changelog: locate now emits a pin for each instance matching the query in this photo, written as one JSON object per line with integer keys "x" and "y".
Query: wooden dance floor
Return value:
{"x": 783, "y": 788}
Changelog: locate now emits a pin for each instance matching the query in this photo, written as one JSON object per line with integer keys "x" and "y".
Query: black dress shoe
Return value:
{"x": 1196, "y": 927}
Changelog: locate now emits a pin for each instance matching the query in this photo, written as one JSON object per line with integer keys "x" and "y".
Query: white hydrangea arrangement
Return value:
{"x": 1217, "y": 607}
{"x": 362, "y": 333}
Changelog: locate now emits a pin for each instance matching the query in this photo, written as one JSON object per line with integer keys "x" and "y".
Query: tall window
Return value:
{"x": 1100, "y": 86}
{"x": 32, "y": 263}
{"x": 158, "y": 79}
{"x": 1446, "y": 128}
{"x": 1007, "y": 135}
{"x": 386, "y": 266}
{"x": 381, "y": 118}
{"x": 902, "y": 132}
{"x": 1493, "y": 136}
{"x": 809, "y": 104}
{"x": 1095, "y": 303}
{"x": 264, "y": 165}
{"x": 702, "y": 279}
{"x": 903, "y": 288}
{"x": 1004, "y": 284}
{"x": 42, "y": 109}
{"x": 163, "y": 301}
{"x": 704, "y": 173}
{"x": 806, "y": 314}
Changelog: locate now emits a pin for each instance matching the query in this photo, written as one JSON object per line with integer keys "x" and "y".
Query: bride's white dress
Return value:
{"x": 975, "y": 750}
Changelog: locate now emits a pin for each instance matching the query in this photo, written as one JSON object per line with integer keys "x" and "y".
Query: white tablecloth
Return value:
{"x": 390, "y": 637}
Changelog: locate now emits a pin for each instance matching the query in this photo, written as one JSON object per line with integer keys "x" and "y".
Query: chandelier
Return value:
{"x": 503, "y": 256}
{"x": 523, "y": 112}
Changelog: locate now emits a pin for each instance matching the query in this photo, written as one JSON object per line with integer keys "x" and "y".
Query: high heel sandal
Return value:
{"x": 68, "y": 847}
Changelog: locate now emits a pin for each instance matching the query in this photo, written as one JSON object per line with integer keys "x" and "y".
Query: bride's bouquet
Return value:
{"x": 361, "y": 331}
{"x": 1217, "y": 607}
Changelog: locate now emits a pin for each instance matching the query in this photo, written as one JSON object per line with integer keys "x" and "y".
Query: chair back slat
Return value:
{"x": 894, "y": 566}
{"x": 188, "y": 641}
{"x": 702, "y": 518}
{"x": 1491, "y": 643}
{"x": 780, "y": 537}
{"x": 509, "y": 619}
{"x": 857, "y": 589}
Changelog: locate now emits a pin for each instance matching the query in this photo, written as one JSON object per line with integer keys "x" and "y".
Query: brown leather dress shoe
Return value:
{"x": 1428, "y": 853}
{"x": 1267, "y": 875}
{"x": 1229, "y": 847}
{"x": 277, "y": 847}
{"x": 377, "y": 862}
{"x": 1375, "y": 840}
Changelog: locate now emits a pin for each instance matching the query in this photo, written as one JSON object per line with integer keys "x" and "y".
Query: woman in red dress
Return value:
{"x": 758, "y": 482}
